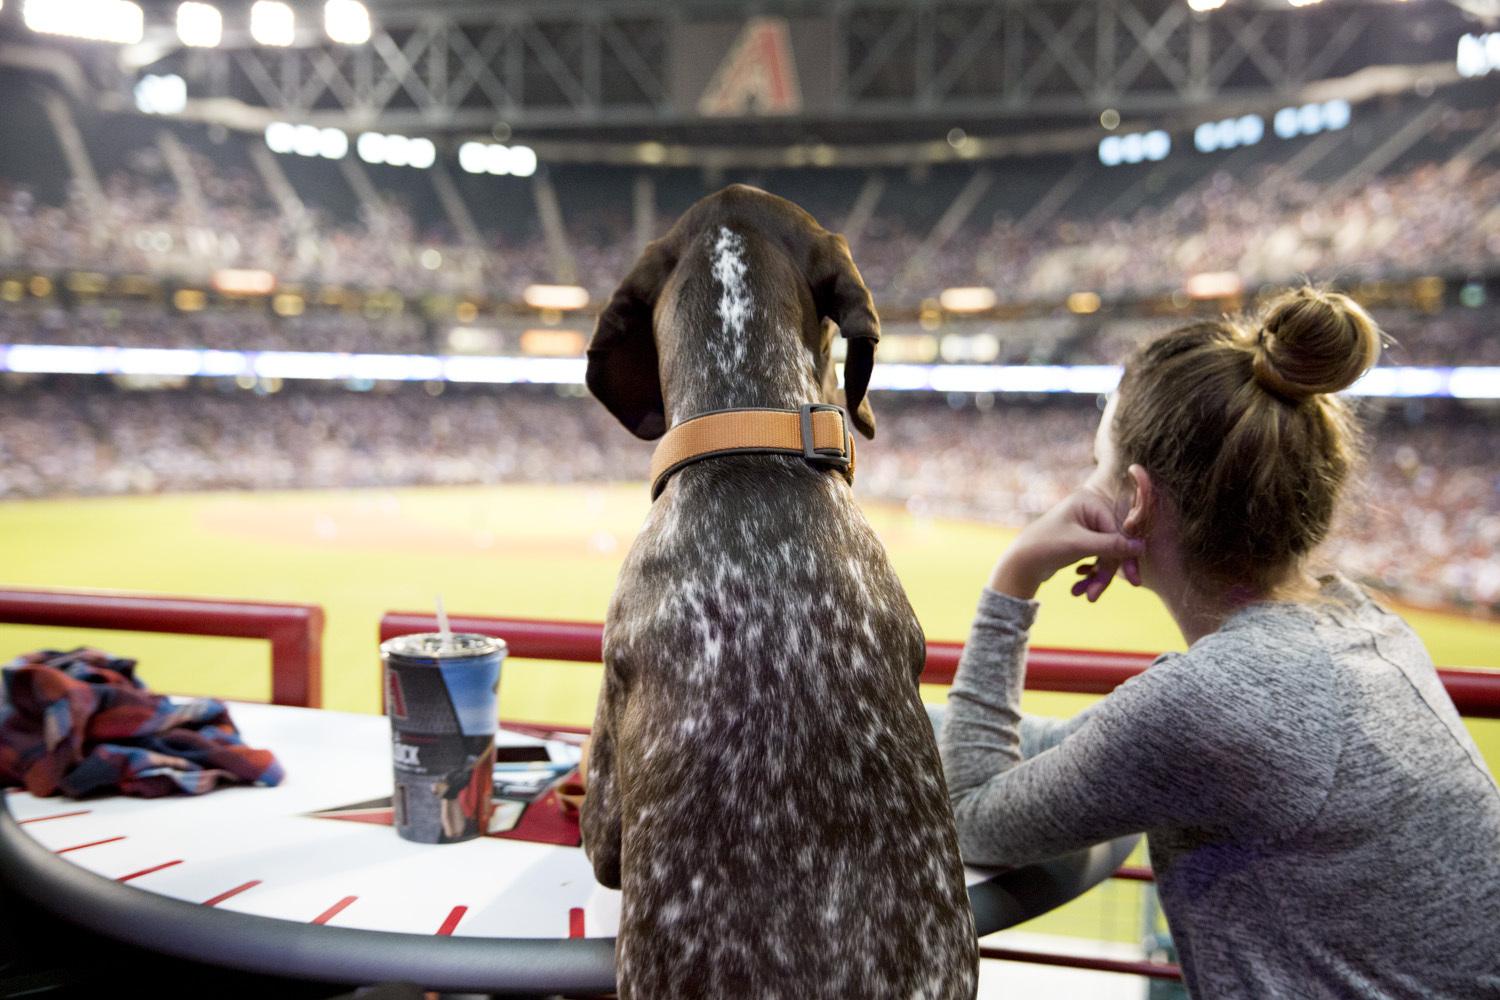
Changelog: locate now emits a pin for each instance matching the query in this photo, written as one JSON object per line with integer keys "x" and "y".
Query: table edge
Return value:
{"x": 262, "y": 944}
{"x": 252, "y": 943}
{"x": 1047, "y": 884}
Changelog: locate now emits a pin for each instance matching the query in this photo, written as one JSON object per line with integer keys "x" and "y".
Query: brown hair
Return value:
{"x": 1234, "y": 422}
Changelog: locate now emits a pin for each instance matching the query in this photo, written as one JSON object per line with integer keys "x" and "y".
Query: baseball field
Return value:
{"x": 528, "y": 551}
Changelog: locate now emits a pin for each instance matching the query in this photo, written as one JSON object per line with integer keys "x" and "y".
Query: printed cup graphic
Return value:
{"x": 440, "y": 699}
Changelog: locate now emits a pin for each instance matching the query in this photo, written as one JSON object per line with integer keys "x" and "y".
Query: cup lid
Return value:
{"x": 429, "y": 646}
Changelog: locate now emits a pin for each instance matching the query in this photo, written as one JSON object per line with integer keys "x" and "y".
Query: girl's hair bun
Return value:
{"x": 1311, "y": 342}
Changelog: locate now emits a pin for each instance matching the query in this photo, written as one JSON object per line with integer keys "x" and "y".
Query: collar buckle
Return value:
{"x": 834, "y": 458}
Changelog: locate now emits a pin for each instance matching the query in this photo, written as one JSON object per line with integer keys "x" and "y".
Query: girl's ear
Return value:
{"x": 1137, "y": 522}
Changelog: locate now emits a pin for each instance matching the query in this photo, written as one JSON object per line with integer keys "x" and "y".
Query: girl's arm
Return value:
{"x": 1193, "y": 742}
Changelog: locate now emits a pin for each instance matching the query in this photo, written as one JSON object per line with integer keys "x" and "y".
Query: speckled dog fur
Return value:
{"x": 763, "y": 784}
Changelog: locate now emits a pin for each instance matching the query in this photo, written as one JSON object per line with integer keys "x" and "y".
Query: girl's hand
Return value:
{"x": 1081, "y": 526}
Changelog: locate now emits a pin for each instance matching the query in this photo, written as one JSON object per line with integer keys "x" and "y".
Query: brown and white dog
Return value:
{"x": 763, "y": 784}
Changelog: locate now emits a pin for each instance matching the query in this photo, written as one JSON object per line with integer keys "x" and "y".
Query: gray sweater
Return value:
{"x": 1320, "y": 821}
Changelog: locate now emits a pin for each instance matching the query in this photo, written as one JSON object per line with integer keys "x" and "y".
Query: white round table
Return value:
{"x": 249, "y": 878}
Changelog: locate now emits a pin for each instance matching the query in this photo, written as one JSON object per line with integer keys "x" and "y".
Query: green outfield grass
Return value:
{"x": 527, "y": 551}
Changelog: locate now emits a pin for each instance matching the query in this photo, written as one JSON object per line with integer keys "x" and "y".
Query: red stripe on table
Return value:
{"x": 232, "y": 892}
{"x": 92, "y": 843}
{"x": 147, "y": 871}
{"x": 454, "y": 917}
{"x": 334, "y": 910}
{"x": 43, "y": 819}
{"x": 575, "y": 922}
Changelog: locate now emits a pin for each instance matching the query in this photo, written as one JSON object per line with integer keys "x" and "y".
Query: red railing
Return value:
{"x": 295, "y": 631}
{"x": 1474, "y": 692}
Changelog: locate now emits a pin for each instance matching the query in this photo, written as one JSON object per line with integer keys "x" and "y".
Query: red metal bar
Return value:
{"x": 1135, "y": 873}
{"x": 1085, "y": 671}
{"x": 295, "y": 631}
{"x": 1153, "y": 970}
{"x": 527, "y": 639}
{"x": 1475, "y": 692}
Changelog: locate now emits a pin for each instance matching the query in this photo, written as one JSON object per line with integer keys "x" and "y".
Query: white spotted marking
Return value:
{"x": 735, "y": 303}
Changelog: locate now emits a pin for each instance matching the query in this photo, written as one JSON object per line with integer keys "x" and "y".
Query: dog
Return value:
{"x": 763, "y": 785}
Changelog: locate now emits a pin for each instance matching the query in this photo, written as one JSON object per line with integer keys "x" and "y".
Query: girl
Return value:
{"x": 1320, "y": 822}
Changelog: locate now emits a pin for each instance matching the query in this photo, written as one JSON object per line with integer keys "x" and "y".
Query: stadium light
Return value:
{"x": 1475, "y": 383}
{"x": 980, "y": 347}
{"x": 1303, "y": 3}
{"x": 1213, "y": 285}
{"x": 395, "y": 150}
{"x": 552, "y": 342}
{"x": 1478, "y": 54}
{"x": 1336, "y": 115}
{"x": 306, "y": 140}
{"x": 654, "y": 153}
{"x": 490, "y": 158}
{"x": 1084, "y": 303}
{"x": 471, "y": 157}
{"x": 421, "y": 153}
{"x": 967, "y": 300}
{"x": 1229, "y": 133}
{"x": 272, "y": 23}
{"x": 199, "y": 25}
{"x": 371, "y": 147}
{"x": 280, "y": 137}
{"x": 346, "y": 21}
{"x": 118, "y": 21}
{"x": 160, "y": 95}
{"x": 1134, "y": 147}
{"x": 1205, "y": 5}
{"x": 332, "y": 144}
{"x": 497, "y": 160}
{"x": 1310, "y": 119}
{"x": 560, "y": 297}
{"x": 522, "y": 161}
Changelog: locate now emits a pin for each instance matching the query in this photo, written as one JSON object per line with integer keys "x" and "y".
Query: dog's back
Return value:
{"x": 783, "y": 825}
{"x": 786, "y": 825}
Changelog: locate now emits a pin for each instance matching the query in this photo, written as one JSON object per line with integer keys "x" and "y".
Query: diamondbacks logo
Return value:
{"x": 757, "y": 76}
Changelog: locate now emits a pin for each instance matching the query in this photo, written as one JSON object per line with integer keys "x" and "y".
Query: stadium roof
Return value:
{"x": 603, "y": 78}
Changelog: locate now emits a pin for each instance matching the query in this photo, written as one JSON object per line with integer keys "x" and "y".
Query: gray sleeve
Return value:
{"x": 1169, "y": 748}
{"x": 1038, "y": 732}
{"x": 1042, "y": 732}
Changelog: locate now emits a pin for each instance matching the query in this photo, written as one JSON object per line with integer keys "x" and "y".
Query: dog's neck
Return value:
{"x": 740, "y": 341}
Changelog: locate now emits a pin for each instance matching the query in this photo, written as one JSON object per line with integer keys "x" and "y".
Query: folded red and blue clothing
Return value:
{"x": 81, "y": 723}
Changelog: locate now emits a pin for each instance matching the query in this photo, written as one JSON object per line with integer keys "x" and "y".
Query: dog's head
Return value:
{"x": 623, "y": 363}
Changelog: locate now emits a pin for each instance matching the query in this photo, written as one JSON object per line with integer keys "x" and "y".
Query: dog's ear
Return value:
{"x": 622, "y": 369}
{"x": 841, "y": 296}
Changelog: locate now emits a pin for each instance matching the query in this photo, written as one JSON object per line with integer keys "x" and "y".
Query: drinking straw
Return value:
{"x": 442, "y": 617}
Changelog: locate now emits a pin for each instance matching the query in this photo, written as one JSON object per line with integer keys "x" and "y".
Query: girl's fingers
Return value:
{"x": 1132, "y": 570}
{"x": 1101, "y": 577}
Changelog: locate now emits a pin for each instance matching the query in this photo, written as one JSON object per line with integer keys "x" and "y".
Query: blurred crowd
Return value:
{"x": 236, "y": 329}
{"x": 106, "y": 442}
{"x": 145, "y": 225}
{"x": 1428, "y": 507}
{"x": 1266, "y": 224}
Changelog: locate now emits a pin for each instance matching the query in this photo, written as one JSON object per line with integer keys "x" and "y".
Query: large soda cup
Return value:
{"x": 440, "y": 697}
